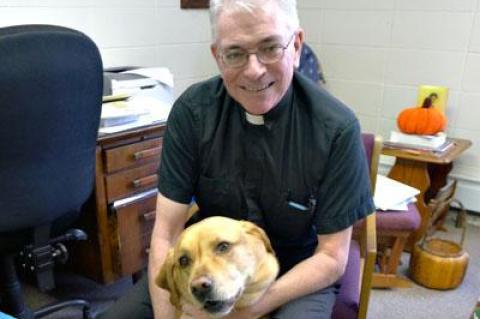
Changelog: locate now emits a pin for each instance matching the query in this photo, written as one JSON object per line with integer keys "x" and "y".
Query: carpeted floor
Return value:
{"x": 419, "y": 302}
{"x": 476, "y": 313}
{"x": 411, "y": 303}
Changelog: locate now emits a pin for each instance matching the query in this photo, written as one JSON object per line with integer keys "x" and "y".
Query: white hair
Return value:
{"x": 287, "y": 7}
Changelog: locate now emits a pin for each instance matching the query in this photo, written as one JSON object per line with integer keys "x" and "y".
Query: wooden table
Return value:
{"x": 426, "y": 171}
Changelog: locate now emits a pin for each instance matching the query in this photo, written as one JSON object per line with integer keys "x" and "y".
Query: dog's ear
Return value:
{"x": 165, "y": 279}
{"x": 254, "y": 230}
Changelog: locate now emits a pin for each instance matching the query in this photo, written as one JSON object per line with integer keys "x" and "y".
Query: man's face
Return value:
{"x": 258, "y": 87}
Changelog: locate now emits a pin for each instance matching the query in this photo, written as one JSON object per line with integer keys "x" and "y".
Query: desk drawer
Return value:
{"x": 136, "y": 180}
{"x": 133, "y": 154}
{"x": 134, "y": 229}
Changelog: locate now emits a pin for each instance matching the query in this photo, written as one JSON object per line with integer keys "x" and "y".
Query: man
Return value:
{"x": 265, "y": 144}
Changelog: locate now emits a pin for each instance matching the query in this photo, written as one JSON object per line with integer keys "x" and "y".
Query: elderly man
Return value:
{"x": 265, "y": 144}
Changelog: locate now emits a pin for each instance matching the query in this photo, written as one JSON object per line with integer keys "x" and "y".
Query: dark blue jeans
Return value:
{"x": 136, "y": 305}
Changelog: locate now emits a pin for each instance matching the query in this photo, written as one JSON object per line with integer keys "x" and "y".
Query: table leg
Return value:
{"x": 415, "y": 174}
{"x": 438, "y": 178}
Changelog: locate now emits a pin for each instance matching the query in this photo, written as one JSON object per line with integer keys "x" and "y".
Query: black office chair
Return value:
{"x": 50, "y": 103}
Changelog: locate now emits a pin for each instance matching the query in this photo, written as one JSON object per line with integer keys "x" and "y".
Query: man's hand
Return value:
{"x": 191, "y": 312}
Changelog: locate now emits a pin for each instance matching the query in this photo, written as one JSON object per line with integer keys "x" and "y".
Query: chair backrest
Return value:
{"x": 367, "y": 232}
{"x": 440, "y": 205}
{"x": 50, "y": 104}
{"x": 373, "y": 147}
{"x": 354, "y": 295}
{"x": 442, "y": 199}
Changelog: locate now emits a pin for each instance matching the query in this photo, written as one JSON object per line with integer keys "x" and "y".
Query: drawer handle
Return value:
{"x": 147, "y": 153}
{"x": 149, "y": 216}
{"x": 144, "y": 181}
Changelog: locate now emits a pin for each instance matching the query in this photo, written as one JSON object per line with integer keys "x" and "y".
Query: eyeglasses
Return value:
{"x": 266, "y": 54}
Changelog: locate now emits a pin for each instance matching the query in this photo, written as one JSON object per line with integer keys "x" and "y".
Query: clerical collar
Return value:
{"x": 254, "y": 119}
{"x": 268, "y": 119}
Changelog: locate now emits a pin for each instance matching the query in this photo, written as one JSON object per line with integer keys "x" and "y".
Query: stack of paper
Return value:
{"x": 393, "y": 195}
{"x": 119, "y": 113}
{"x": 137, "y": 111}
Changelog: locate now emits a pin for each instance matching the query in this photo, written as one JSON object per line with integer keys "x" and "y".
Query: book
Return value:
{"x": 438, "y": 151}
{"x": 420, "y": 141}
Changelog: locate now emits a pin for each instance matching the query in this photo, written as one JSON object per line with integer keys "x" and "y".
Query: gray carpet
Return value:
{"x": 412, "y": 303}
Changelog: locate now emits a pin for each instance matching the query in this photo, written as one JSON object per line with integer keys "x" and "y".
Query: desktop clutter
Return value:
{"x": 134, "y": 97}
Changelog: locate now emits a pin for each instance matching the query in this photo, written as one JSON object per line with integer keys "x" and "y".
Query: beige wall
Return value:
{"x": 130, "y": 32}
{"x": 374, "y": 52}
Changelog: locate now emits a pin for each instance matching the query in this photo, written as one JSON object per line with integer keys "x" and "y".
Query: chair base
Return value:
{"x": 380, "y": 280}
{"x": 12, "y": 301}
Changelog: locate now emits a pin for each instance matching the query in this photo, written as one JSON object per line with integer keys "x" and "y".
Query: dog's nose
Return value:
{"x": 201, "y": 287}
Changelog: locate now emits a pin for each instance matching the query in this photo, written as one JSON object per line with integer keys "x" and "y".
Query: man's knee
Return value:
{"x": 134, "y": 305}
{"x": 318, "y": 305}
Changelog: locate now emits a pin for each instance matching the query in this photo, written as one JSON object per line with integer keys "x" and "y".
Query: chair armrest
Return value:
{"x": 368, "y": 251}
{"x": 192, "y": 210}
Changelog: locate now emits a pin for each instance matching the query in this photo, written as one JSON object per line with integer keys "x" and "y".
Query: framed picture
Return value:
{"x": 440, "y": 101}
{"x": 193, "y": 4}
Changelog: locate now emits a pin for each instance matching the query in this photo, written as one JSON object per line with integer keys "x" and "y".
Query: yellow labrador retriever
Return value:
{"x": 217, "y": 265}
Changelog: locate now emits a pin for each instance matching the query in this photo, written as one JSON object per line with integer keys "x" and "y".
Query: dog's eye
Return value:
{"x": 184, "y": 261}
{"x": 223, "y": 247}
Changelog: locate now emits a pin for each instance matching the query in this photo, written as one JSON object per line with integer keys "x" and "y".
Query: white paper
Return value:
{"x": 162, "y": 75}
{"x": 393, "y": 195}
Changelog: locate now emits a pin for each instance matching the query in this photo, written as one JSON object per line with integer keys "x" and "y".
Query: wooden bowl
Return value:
{"x": 438, "y": 264}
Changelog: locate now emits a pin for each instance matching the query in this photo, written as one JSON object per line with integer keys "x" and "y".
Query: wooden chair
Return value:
{"x": 353, "y": 298}
{"x": 393, "y": 231}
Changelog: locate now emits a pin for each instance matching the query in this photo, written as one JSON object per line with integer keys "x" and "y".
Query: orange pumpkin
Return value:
{"x": 424, "y": 120}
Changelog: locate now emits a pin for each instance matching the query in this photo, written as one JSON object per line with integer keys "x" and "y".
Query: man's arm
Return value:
{"x": 321, "y": 270}
{"x": 169, "y": 223}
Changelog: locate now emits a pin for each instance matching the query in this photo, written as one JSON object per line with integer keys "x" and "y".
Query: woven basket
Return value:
{"x": 438, "y": 263}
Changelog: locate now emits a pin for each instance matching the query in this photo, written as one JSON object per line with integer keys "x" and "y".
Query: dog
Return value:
{"x": 217, "y": 265}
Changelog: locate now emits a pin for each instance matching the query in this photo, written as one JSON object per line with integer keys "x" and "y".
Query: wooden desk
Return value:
{"x": 119, "y": 234}
{"x": 425, "y": 171}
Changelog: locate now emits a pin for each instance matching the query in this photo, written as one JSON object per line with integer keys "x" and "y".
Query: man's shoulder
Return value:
{"x": 204, "y": 92}
{"x": 199, "y": 101}
{"x": 321, "y": 104}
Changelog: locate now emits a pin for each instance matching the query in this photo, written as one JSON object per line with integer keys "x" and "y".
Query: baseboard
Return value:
{"x": 468, "y": 190}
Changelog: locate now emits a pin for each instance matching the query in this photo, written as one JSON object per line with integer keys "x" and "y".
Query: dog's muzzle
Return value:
{"x": 203, "y": 290}
{"x": 218, "y": 306}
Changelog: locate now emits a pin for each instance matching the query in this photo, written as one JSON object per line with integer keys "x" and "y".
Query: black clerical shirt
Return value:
{"x": 301, "y": 173}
